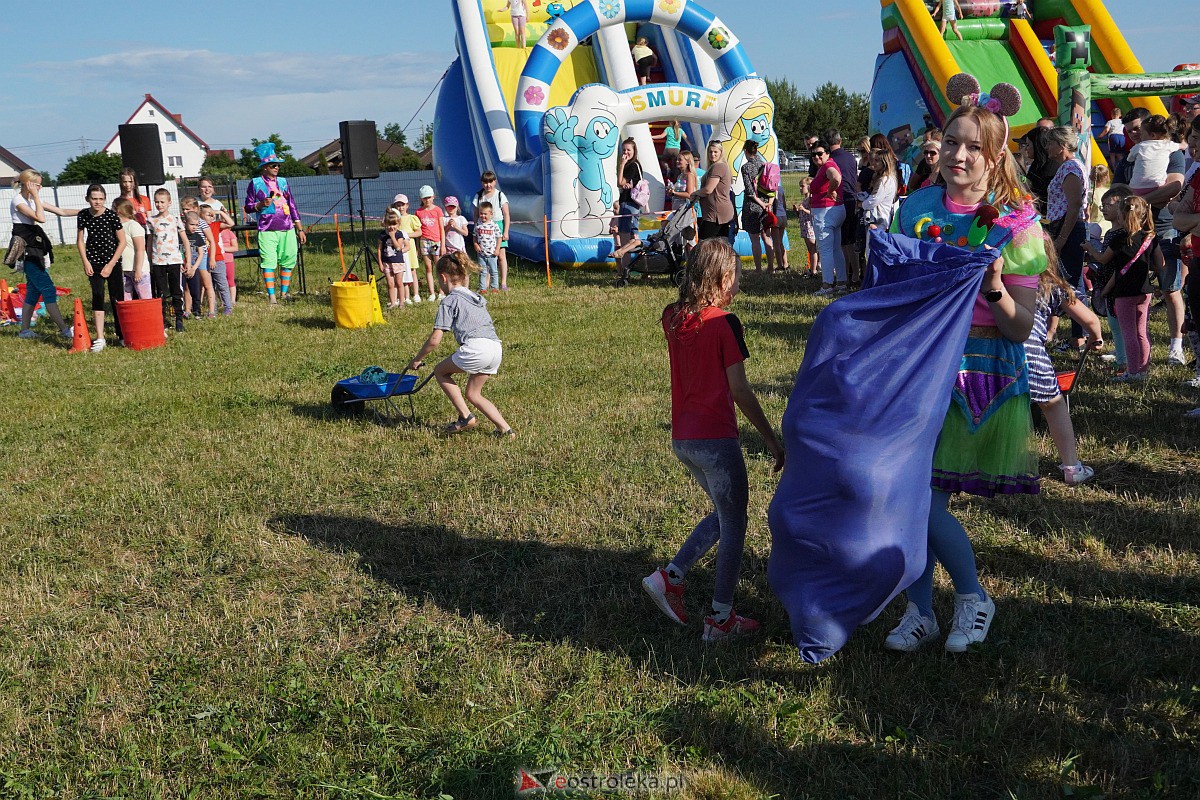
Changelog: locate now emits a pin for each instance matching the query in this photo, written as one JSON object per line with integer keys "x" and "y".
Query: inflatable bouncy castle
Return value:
{"x": 548, "y": 119}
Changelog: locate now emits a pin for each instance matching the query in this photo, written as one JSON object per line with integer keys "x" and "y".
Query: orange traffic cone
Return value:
{"x": 83, "y": 337}
{"x": 7, "y": 312}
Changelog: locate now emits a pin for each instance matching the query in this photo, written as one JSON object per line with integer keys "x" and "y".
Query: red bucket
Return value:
{"x": 1066, "y": 381}
{"x": 141, "y": 323}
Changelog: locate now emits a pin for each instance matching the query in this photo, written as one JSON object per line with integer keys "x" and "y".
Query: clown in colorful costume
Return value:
{"x": 269, "y": 198}
{"x": 983, "y": 448}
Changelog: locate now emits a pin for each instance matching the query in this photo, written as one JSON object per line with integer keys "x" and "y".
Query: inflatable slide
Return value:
{"x": 548, "y": 119}
{"x": 908, "y": 92}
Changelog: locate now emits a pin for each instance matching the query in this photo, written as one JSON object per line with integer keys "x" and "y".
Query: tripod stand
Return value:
{"x": 365, "y": 253}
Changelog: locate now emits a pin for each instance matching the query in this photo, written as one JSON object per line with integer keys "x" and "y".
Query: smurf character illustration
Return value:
{"x": 753, "y": 125}
{"x": 589, "y": 151}
{"x": 555, "y": 10}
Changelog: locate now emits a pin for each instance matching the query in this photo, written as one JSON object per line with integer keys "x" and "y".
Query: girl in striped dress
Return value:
{"x": 1054, "y": 299}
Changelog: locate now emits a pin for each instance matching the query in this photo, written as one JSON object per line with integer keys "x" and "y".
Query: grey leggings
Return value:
{"x": 720, "y": 468}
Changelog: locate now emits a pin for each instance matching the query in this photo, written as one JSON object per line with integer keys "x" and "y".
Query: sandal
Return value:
{"x": 461, "y": 424}
{"x": 508, "y": 434}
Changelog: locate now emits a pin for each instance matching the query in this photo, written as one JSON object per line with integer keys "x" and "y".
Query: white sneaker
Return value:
{"x": 408, "y": 301}
{"x": 972, "y": 619}
{"x": 417, "y": 299}
{"x": 441, "y": 295}
{"x": 1075, "y": 475}
{"x": 98, "y": 345}
{"x": 914, "y": 630}
{"x": 1193, "y": 383}
{"x": 1108, "y": 357}
{"x": 68, "y": 332}
{"x": 824, "y": 291}
{"x": 1176, "y": 358}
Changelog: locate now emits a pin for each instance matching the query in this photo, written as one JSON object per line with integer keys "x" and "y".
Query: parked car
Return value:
{"x": 791, "y": 162}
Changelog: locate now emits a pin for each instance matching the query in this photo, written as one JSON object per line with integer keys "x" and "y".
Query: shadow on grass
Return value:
{"x": 313, "y": 323}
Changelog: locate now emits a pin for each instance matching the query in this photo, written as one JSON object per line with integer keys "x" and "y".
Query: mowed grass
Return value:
{"x": 213, "y": 588}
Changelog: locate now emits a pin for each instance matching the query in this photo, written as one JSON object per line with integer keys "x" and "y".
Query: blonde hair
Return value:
{"x": 26, "y": 175}
{"x": 192, "y": 217}
{"x": 1100, "y": 179}
{"x": 187, "y": 202}
{"x": 760, "y": 107}
{"x": 123, "y": 207}
{"x": 1135, "y": 216}
{"x": 457, "y": 266}
{"x": 1064, "y": 137}
{"x": 711, "y": 267}
{"x": 1052, "y": 277}
{"x": 1004, "y": 185}
{"x": 805, "y": 183}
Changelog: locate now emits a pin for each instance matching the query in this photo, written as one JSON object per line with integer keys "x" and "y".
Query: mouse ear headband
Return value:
{"x": 1004, "y": 100}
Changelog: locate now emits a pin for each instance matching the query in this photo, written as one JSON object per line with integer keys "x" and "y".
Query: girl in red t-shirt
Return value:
{"x": 706, "y": 349}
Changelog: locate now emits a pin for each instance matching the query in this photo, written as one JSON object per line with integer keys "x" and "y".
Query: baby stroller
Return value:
{"x": 665, "y": 251}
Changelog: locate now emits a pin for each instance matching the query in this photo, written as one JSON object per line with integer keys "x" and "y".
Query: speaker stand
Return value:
{"x": 365, "y": 253}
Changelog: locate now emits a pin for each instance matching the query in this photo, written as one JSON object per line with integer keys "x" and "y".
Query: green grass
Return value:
{"x": 215, "y": 589}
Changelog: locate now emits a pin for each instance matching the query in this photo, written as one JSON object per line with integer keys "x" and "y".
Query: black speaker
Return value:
{"x": 360, "y": 149}
{"x": 141, "y": 151}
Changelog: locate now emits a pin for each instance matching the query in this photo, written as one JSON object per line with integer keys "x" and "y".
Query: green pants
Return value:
{"x": 277, "y": 250}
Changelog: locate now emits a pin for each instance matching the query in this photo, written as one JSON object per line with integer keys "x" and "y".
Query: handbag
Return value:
{"x": 640, "y": 194}
{"x": 15, "y": 255}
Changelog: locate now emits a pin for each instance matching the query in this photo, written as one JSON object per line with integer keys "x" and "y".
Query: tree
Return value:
{"x": 409, "y": 162}
{"x": 322, "y": 163}
{"x": 94, "y": 167}
{"x": 830, "y": 106}
{"x": 221, "y": 163}
{"x": 425, "y": 140}
{"x": 290, "y": 168}
{"x": 393, "y": 133}
{"x": 789, "y": 125}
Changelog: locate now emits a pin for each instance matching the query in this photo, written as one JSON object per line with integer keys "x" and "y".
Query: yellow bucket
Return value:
{"x": 355, "y": 304}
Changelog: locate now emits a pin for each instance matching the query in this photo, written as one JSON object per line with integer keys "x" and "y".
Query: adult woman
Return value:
{"x": 129, "y": 191}
{"x": 1186, "y": 220}
{"x": 828, "y": 214}
{"x": 879, "y": 199}
{"x": 926, "y": 171}
{"x": 1066, "y": 211}
{"x": 672, "y": 139}
{"x": 984, "y": 450}
{"x": 629, "y": 175}
{"x": 683, "y": 184}
{"x": 716, "y": 208}
{"x": 754, "y": 207}
{"x": 28, "y": 212}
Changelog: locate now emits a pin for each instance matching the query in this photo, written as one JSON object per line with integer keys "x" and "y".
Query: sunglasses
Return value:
{"x": 819, "y": 153}
{"x": 931, "y": 152}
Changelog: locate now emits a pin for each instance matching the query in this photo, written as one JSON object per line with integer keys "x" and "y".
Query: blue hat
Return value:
{"x": 266, "y": 154}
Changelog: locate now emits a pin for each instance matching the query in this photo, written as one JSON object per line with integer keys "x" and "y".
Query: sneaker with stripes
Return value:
{"x": 914, "y": 630}
{"x": 972, "y": 619}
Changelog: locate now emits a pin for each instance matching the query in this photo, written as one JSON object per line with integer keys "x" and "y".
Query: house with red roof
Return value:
{"x": 183, "y": 151}
{"x": 11, "y": 165}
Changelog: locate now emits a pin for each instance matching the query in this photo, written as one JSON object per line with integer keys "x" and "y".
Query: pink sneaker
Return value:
{"x": 734, "y": 626}
{"x": 668, "y": 598}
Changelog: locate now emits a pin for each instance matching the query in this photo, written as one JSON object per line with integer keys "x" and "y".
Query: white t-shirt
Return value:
{"x": 1150, "y": 158}
{"x": 454, "y": 239}
{"x": 213, "y": 203}
{"x": 17, "y": 216}
{"x": 498, "y": 200}
{"x": 1114, "y": 126}
{"x": 133, "y": 230}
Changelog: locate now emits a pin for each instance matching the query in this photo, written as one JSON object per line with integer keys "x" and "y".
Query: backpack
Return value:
{"x": 768, "y": 178}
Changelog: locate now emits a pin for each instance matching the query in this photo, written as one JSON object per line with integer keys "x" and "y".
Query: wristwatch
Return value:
{"x": 994, "y": 295}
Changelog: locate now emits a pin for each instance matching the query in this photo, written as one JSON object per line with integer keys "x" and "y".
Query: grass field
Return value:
{"x": 215, "y": 589}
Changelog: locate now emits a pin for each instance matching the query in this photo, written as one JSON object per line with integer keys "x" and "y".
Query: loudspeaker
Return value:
{"x": 360, "y": 149}
{"x": 141, "y": 151}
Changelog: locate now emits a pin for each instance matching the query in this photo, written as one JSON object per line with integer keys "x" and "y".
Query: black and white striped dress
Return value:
{"x": 1043, "y": 385}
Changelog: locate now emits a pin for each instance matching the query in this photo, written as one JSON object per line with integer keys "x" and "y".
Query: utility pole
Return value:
{"x": 82, "y": 146}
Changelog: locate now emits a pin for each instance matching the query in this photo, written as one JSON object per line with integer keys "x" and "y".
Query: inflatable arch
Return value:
{"x": 558, "y": 163}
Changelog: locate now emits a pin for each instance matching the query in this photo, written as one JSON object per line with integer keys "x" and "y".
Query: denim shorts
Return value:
{"x": 1171, "y": 277}
{"x": 628, "y": 221}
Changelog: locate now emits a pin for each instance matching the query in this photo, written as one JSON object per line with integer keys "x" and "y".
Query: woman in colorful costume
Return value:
{"x": 983, "y": 448}
{"x": 929, "y": 355}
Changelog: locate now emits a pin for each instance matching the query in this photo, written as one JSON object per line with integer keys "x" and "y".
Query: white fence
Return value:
{"x": 319, "y": 197}
{"x": 62, "y": 230}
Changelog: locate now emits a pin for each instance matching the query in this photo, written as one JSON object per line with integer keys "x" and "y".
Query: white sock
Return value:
{"x": 721, "y": 611}
{"x": 674, "y": 574}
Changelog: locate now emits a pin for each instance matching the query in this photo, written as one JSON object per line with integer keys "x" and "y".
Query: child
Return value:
{"x": 412, "y": 229}
{"x": 487, "y": 242}
{"x": 951, "y": 11}
{"x": 216, "y": 260}
{"x": 197, "y": 267}
{"x": 707, "y": 351}
{"x": 101, "y": 240}
{"x": 229, "y": 246}
{"x": 465, "y": 314}
{"x": 455, "y": 227}
{"x": 1100, "y": 273}
{"x": 393, "y": 246}
{"x": 1135, "y": 249}
{"x": 1151, "y": 155}
{"x": 804, "y": 218}
{"x": 198, "y": 280}
{"x": 490, "y": 192}
{"x": 519, "y": 13}
{"x": 643, "y": 60}
{"x": 169, "y": 251}
{"x": 432, "y": 246}
{"x": 1055, "y": 297}
{"x": 133, "y": 258}
{"x": 1019, "y": 10}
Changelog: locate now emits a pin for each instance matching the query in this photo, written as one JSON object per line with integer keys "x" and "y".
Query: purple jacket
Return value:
{"x": 272, "y": 217}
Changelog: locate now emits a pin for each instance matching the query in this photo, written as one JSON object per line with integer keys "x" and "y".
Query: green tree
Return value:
{"x": 393, "y": 133}
{"x": 789, "y": 122}
{"x": 832, "y": 107}
{"x": 290, "y": 168}
{"x": 425, "y": 140}
{"x": 222, "y": 164}
{"x": 409, "y": 162}
{"x": 94, "y": 167}
{"x": 322, "y": 163}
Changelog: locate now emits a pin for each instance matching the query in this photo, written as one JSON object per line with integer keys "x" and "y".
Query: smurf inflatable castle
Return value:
{"x": 548, "y": 119}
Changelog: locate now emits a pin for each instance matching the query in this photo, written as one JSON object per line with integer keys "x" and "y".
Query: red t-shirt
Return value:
{"x": 431, "y": 223}
{"x": 701, "y": 347}
{"x": 819, "y": 188}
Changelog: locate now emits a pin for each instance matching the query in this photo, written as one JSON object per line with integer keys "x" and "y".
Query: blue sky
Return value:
{"x": 237, "y": 70}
